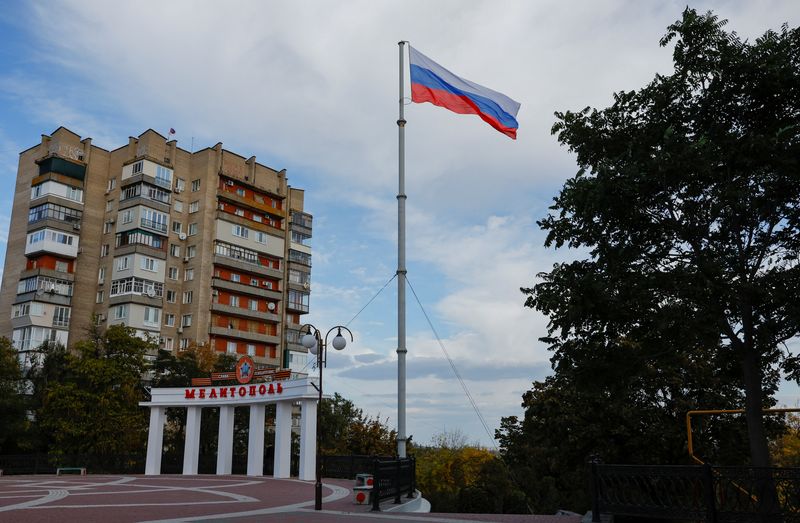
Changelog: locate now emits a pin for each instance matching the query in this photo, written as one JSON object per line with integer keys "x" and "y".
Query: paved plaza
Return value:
{"x": 64, "y": 499}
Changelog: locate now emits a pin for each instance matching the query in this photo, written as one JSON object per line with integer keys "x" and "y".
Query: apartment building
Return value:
{"x": 188, "y": 247}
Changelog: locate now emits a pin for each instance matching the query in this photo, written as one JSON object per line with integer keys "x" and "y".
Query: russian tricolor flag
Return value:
{"x": 430, "y": 82}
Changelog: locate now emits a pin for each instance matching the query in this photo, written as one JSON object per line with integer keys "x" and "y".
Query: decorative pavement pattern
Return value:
{"x": 168, "y": 499}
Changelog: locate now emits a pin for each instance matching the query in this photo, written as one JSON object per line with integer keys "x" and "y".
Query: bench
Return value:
{"x": 81, "y": 470}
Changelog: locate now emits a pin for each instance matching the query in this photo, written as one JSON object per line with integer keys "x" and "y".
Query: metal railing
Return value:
{"x": 346, "y": 467}
{"x": 154, "y": 225}
{"x": 695, "y": 492}
{"x": 391, "y": 479}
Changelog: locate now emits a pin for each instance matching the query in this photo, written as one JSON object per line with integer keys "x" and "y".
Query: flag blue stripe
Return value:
{"x": 422, "y": 76}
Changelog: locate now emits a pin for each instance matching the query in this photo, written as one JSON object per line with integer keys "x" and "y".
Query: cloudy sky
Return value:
{"x": 312, "y": 87}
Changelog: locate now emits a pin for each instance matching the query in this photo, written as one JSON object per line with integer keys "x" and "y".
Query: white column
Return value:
{"x": 155, "y": 441}
{"x": 283, "y": 439}
{"x": 308, "y": 439}
{"x": 225, "y": 440}
{"x": 191, "y": 444}
{"x": 255, "y": 441}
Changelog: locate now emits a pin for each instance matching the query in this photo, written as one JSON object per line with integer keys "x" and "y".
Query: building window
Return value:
{"x": 234, "y": 301}
{"x": 149, "y": 264}
{"x": 126, "y": 216}
{"x": 241, "y": 192}
{"x": 36, "y": 237}
{"x": 253, "y": 304}
{"x": 261, "y": 237}
{"x": 257, "y": 218}
{"x": 62, "y": 266}
{"x": 186, "y": 320}
{"x": 73, "y": 193}
{"x": 61, "y": 317}
{"x": 152, "y": 316}
{"x": 176, "y": 227}
{"x": 184, "y": 344}
{"x": 99, "y": 297}
{"x": 254, "y": 282}
{"x": 191, "y": 251}
{"x": 239, "y": 212}
{"x": 171, "y": 296}
{"x": 235, "y": 277}
{"x": 101, "y": 275}
{"x": 241, "y": 232}
{"x": 109, "y": 205}
{"x": 112, "y": 182}
{"x": 195, "y": 185}
{"x": 169, "y": 320}
{"x": 172, "y": 273}
{"x": 188, "y": 275}
{"x": 194, "y": 206}
{"x": 163, "y": 176}
{"x": 231, "y": 347}
{"x": 121, "y": 311}
{"x": 104, "y": 250}
{"x": 180, "y": 184}
{"x": 108, "y": 227}
{"x": 251, "y": 349}
{"x": 192, "y": 229}
{"x": 123, "y": 263}
{"x": 174, "y": 250}
{"x": 137, "y": 167}
{"x": 168, "y": 343}
{"x": 187, "y": 296}
{"x": 178, "y": 206}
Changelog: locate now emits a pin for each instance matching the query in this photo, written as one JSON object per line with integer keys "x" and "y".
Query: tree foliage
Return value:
{"x": 688, "y": 204}
{"x": 457, "y": 477}
{"x": 196, "y": 361}
{"x": 13, "y": 420}
{"x": 345, "y": 429}
{"x": 94, "y": 407}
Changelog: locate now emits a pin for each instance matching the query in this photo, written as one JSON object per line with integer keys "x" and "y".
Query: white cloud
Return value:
{"x": 312, "y": 86}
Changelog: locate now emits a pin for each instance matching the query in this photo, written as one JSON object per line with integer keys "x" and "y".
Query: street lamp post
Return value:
{"x": 318, "y": 346}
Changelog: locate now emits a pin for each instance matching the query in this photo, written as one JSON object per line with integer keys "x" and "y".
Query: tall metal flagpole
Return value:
{"x": 401, "y": 271}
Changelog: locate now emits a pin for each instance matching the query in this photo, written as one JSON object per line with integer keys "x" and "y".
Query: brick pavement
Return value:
{"x": 123, "y": 499}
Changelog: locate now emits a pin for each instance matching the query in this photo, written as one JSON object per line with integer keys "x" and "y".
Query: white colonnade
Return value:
{"x": 254, "y": 396}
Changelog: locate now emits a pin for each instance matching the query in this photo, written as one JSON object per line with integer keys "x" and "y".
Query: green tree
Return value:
{"x": 13, "y": 421}
{"x": 94, "y": 408}
{"x": 688, "y": 204}
{"x": 169, "y": 370}
{"x": 345, "y": 430}
{"x": 456, "y": 477}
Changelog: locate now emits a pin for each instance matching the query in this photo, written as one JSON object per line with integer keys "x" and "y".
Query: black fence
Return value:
{"x": 696, "y": 493}
{"x": 391, "y": 479}
{"x": 346, "y": 467}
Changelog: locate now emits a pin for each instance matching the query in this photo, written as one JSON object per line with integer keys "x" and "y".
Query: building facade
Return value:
{"x": 188, "y": 247}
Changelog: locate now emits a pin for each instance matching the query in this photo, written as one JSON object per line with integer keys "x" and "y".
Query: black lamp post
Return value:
{"x": 318, "y": 346}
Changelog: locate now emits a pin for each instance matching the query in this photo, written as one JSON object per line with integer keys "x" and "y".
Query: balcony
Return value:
{"x": 229, "y": 193}
{"x": 244, "y": 259}
{"x": 54, "y": 164}
{"x": 52, "y": 241}
{"x": 244, "y": 312}
{"x": 54, "y": 213}
{"x": 138, "y": 286}
{"x": 153, "y": 225}
{"x": 293, "y": 340}
{"x": 300, "y": 257}
{"x": 245, "y": 335}
{"x": 141, "y": 241}
{"x": 242, "y": 288}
